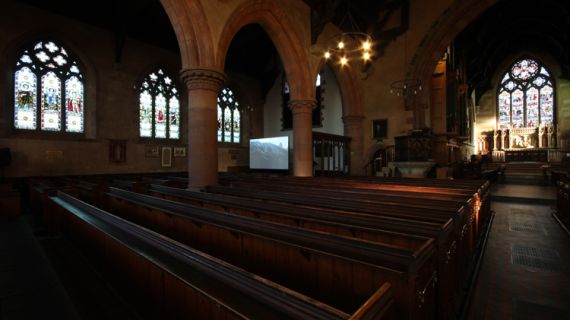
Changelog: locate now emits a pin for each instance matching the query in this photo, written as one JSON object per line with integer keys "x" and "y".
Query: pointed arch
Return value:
{"x": 192, "y": 31}
{"x": 350, "y": 91}
{"x": 281, "y": 31}
{"x": 453, "y": 20}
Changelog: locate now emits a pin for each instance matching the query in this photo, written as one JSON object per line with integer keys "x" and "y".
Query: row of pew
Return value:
{"x": 276, "y": 247}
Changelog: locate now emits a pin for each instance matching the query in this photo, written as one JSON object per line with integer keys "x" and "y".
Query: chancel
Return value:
{"x": 284, "y": 159}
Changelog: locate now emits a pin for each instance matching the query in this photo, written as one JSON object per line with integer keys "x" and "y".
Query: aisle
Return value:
{"x": 29, "y": 287}
{"x": 525, "y": 272}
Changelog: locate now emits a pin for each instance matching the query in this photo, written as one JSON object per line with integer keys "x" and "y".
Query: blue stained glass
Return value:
{"x": 532, "y": 108}
{"x": 546, "y": 105}
{"x": 531, "y": 103}
{"x": 59, "y": 91}
{"x": 517, "y": 109}
{"x": 504, "y": 110}
{"x": 51, "y": 102}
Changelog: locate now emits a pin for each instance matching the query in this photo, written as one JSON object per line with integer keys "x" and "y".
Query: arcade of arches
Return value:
{"x": 174, "y": 95}
{"x": 461, "y": 116}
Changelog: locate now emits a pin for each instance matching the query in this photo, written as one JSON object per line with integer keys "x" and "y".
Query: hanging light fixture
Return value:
{"x": 350, "y": 46}
{"x": 408, "y": 86}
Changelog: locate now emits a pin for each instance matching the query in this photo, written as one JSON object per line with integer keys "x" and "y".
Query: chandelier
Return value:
{"x": 406, "y": 87}
{"x": 350, "y": 46}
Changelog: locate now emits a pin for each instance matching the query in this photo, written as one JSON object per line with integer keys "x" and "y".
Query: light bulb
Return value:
{"x": 327, "y": 55}
{"x": 340, "y": 45}
{"x": 366, "y": 45}
{"x": 366, "y": 56}
{"x": 343, "y": 61}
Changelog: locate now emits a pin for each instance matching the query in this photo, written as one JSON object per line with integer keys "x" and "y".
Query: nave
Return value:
{"x": 91, "y": 298}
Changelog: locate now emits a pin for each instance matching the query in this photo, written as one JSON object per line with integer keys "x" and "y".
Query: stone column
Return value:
{"x": 302, "y": 137}
{"x": 353, "y": 129}
{"x": 203, "y": 88}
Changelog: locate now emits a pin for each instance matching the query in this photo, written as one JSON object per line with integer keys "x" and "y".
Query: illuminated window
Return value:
{"x": 229, "y": 117}
{"x": 287, "y": 114}
{"x": 159, "y": 107}
{"x": 526, "y": 96}
{"x": 48, "y": 90}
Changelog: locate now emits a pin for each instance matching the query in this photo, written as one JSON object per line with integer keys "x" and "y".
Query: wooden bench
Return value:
{"x": 342, "y": 272}
{"x": 362, "y": 226}
{"x": 165, "y": 279}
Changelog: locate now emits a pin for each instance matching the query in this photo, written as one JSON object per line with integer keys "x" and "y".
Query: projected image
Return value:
{"x": 269, "y": 153}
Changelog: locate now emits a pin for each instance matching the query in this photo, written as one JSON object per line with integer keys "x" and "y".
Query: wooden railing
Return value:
{"x": 331, "y": 154}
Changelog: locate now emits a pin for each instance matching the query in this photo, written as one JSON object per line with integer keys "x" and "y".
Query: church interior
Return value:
{"x": 285, "y": 159}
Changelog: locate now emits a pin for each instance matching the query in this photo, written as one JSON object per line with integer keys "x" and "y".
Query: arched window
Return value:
{"x": 46, "y": 74}
{"x": 287, "y": 114}
{"x": 229, "y": 117}
{"x": 159, "y": 107}
{"x": 526, "y": 96}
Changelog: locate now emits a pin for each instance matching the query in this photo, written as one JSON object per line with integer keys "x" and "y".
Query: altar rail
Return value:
{"x": 539, "y": 155}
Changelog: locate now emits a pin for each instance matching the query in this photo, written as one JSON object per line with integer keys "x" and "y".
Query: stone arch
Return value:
{"x": 192, "y": 31}
{"x": 281, "y": 31}
{"x": 453, "y": 20}
{"x": 352, "y": 104}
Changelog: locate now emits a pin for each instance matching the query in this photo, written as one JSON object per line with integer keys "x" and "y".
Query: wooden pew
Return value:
{"x": 166, "y": 279}
{"x": 478, "y": 206}
{"x": 462, "y": 223}
{"x": 362, "y": 226}
{"x": 342, "y": 272}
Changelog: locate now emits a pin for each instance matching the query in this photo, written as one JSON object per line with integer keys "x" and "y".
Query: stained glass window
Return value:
{"x": 235, "y": 125}
{"x": 59, "y": 91}
{"x": 526, "y": 96}
{"x": 159, "y": 107}
{"x": 74, "y": 105}
{"x": 25, "y": 96}
{"x": 174, "y": 116}
{"x": 220, "y": 129}
{"x": 229, "y": 117}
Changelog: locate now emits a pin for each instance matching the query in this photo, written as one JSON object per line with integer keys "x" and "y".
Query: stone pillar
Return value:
{"x": 440, "y": 152}
{"x": 353, "y": 129}
{"x": 203, "y": 88}
{"x": 302, "y": 137}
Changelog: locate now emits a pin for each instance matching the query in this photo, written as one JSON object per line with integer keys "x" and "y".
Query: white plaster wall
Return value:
{"x": 331, "y": 113}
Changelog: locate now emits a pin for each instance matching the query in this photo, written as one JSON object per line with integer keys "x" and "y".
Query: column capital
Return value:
{"x": 206, "y": 79}
{"x": 302, "y": 106}
{"x": 353, "y": 120}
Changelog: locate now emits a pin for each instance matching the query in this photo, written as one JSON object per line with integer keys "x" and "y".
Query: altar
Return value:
{"x": 533, "y": 154}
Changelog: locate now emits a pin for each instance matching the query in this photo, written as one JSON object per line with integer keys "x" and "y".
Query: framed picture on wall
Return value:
{"x": 151, "y": 152}
{"x": 166, "y": 160}
{"x": 380, "y": 128}
{"x": 180, "y": 152}
{"x": 117, "y": 150}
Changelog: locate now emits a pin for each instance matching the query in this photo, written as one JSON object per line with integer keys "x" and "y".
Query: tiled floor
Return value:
{"x": 525, "y": 272}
